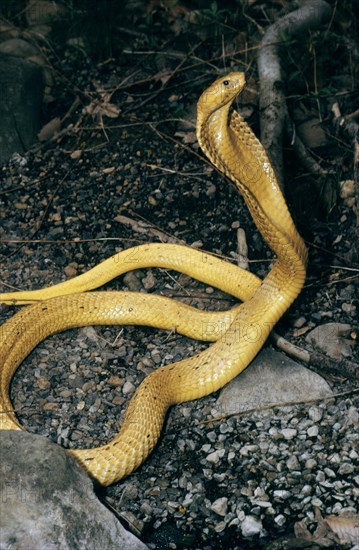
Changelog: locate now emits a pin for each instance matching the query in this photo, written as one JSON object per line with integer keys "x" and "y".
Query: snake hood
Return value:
{"x": 222, "y": 92}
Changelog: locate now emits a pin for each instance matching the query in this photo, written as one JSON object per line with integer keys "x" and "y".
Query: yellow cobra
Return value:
{"x": 238, "y": 334}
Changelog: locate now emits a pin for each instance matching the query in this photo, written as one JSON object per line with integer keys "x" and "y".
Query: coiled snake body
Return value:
{"x": 238, "y": 334}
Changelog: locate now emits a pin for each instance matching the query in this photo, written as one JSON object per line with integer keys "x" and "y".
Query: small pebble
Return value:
{"x": 299, "y": 322}
{"x": 219, "y": 527}
{"x": 282, "y": 494}
{"x": 215, "y": 456}
{"x": 288, "y": 433}
{"x": 292, "y": 463}
{"x": 315, "y": 414}
{"x": 43, "y": 383}
{"x": 346, "y": 468}
{"x": 313, "y": 431}
{"x": 251, "y": 526}
{"x": 310, "y": 464}
{"x": 280, "y": 520}
{"x": 71, "y": 269}
{"x": 349, "y": 308}
{"x": 128, "y": 388}
{"x": 220, "y": 506}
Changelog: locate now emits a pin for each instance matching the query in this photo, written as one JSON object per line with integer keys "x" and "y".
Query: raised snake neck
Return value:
{"x": 233, "y": 149}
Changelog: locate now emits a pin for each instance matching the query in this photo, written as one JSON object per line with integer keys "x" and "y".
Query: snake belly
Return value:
{"x": 231, "y": 146}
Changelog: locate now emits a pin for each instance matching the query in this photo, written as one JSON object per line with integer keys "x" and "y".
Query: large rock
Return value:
{"x": 20, "y": 104}
{"x": 18, "y": 48}
{"x": 333, "y": 339}
{"x": 271, "y": 378}
{"x": 47, "y": 501}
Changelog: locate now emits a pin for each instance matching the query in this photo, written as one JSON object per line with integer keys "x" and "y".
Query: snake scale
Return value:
{"x": 238, "y": 334}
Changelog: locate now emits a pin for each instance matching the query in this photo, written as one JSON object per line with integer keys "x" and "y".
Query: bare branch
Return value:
{"x": 273, "y": 109}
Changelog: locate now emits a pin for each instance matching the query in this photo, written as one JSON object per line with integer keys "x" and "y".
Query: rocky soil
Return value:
{"x": 215, "y": 480}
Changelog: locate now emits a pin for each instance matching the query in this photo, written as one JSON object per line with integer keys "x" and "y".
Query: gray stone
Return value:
{"x": 349, "y": 308}
{"x": 315, "y": 414}
{"x": 48, "y": 502}
{"x": 132, "y": 281}
{"x": 271, "y": 378}
{"x": 288, "y": 433}
{"x": 292, "y": 463}
{"x": 331, "y": 339}
{"x": 280, "y": 520}
{"x": 306, "y": 490}
{"x": 220, "y": 506}
{"x": 329, "y": 473}
{"x": 219, "y": 527}
{"x": 310, "y": 463}
{"x": 346, "y": 468}
{"x": 313, "y": 431}
{"x": 215, "y": 456}
{"x": 20, "y": 104}
{"x": 128, "y": 388}
{"x": 251, "y": 526}
{"x": 18, "y": 48}
{"x": 149, "y": 281}
{"x": 281, "y": 494}
{"x": 300, "y": 322}
{"x": 353, "y": 415}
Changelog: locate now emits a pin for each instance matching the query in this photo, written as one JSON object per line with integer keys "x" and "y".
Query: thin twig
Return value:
{"x": 289, "y": 348}
{"x": 279, "y": 404}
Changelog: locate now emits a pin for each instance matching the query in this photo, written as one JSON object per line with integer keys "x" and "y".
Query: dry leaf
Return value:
{"x": 332, "y": 529}
{"x": 337, "y": 239}
{"x": 97, "y": 110}
{"x": 346, "y": 528}
{"x": 163, "y": 76}
{"x": 187, "y": 137}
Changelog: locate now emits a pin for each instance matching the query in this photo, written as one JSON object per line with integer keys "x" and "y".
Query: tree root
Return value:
{"x": 317, "y": 361}
{"x": 273, "y": 108}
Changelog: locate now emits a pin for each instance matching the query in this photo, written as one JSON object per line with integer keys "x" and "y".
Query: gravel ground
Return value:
{"x": 236, "y": 482}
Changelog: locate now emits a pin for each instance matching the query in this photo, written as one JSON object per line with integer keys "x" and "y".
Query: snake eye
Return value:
{"x": 225, "y": 82}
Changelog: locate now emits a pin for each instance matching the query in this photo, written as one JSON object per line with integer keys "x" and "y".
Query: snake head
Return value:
{"x": 220, "y": 93}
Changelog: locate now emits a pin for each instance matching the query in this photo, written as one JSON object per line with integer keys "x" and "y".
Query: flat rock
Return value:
{"x": 47, "y": 501}
{"x": 271, "y": 378}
